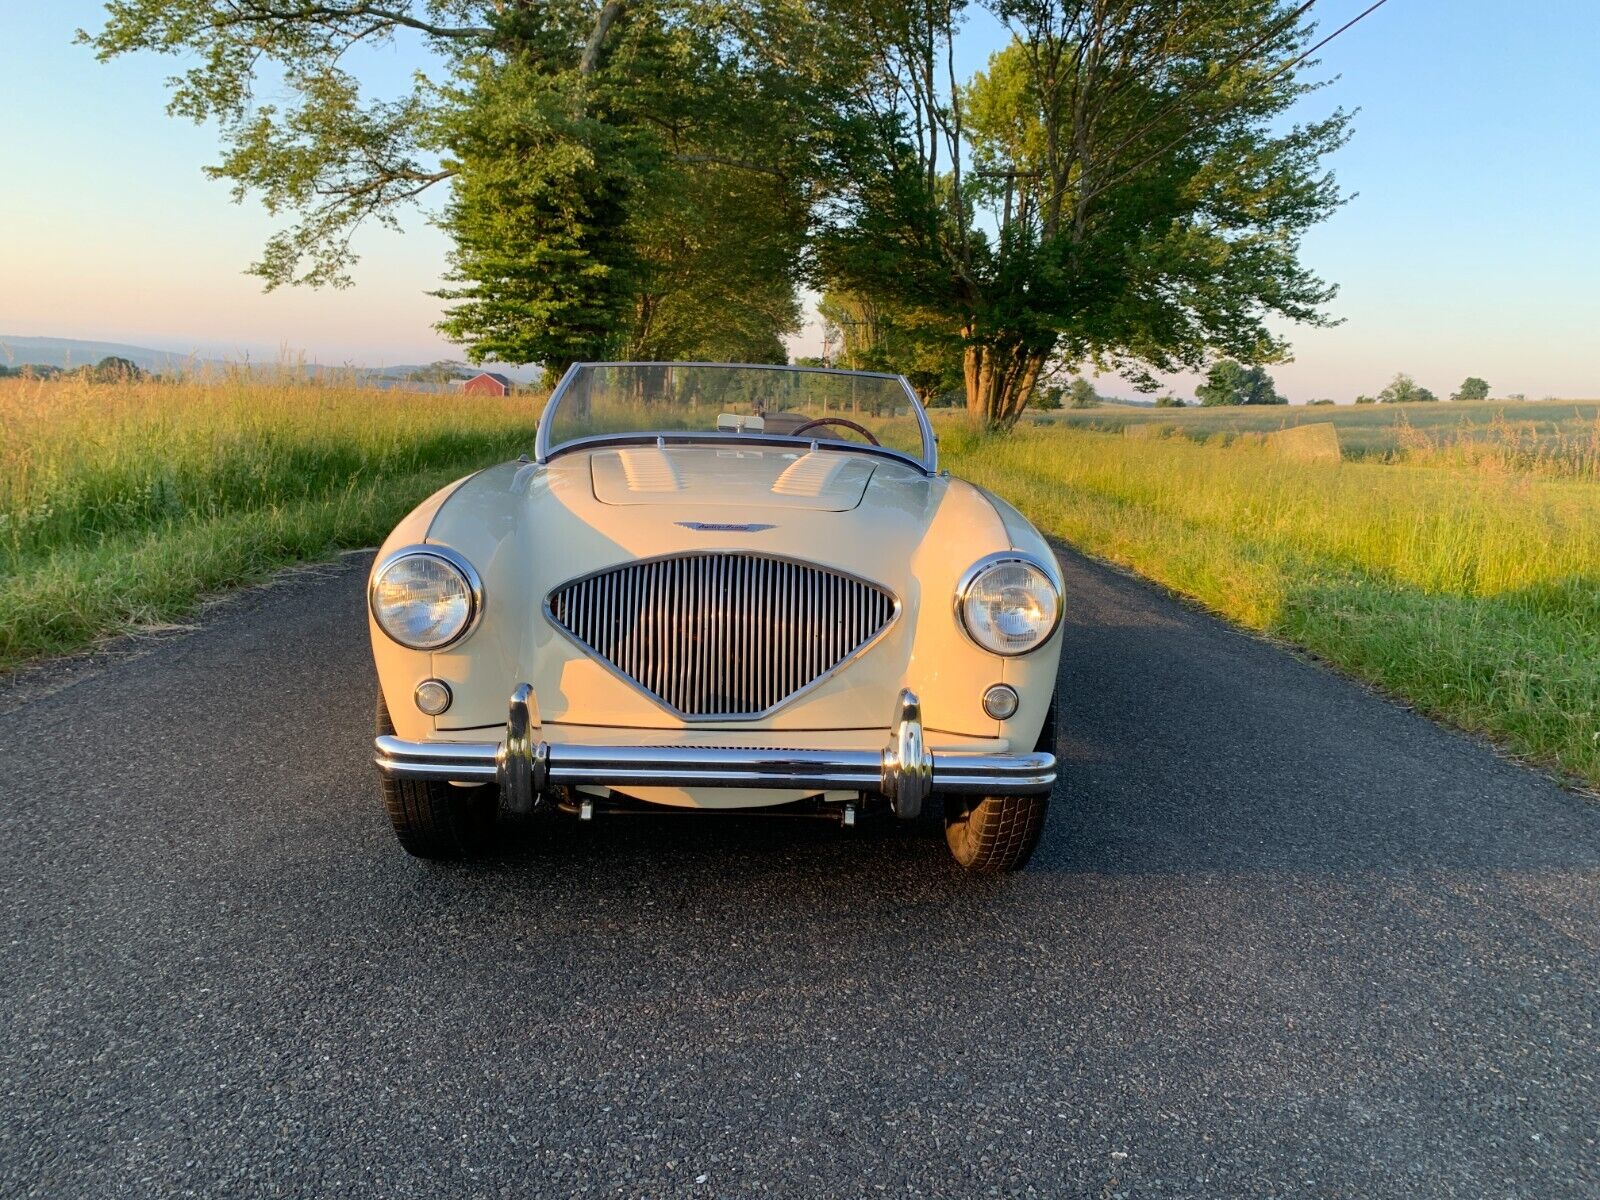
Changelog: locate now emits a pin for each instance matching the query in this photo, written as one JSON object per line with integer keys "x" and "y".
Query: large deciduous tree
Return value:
{"x": 655, "y": 209}
{"x": 1229, "y": 382}
{"x": 1121, "y": 187}
{"x": 604, "y": 157}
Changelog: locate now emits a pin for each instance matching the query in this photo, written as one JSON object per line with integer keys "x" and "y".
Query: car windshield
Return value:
{"x": 714, "y": 401}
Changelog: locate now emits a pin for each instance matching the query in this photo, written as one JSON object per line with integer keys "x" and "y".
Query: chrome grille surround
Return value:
{"x": 668, "y": 626}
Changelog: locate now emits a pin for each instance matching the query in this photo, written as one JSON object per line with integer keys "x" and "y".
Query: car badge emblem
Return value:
{"x": 723, "y": 527}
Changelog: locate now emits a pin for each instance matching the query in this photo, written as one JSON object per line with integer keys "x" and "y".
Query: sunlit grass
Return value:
{"x": 1475, "y": 594}
{"x": 1549, "y": 436}
{"x": 122, "y": 503}
{"x": 1445, "y": 574}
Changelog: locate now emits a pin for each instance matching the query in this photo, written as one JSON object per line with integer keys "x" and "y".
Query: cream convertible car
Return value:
{"x": 718, "y": 587}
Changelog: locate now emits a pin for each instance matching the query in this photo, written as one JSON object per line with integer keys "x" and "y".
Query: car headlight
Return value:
{"x": 425, "y": 598}
{"x": 1008, "y": 604}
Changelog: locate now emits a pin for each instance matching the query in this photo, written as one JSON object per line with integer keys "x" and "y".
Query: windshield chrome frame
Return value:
{"x": 543, "y": 451}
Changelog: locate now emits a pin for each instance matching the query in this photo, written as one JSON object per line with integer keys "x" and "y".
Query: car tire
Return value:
{"x": 995, "y": 834}
{"x": 437, "y": 820}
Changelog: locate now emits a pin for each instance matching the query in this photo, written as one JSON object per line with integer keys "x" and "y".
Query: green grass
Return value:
{"x": 1475, "y": 595}
{"x": 122, "y": 504}
{"x": 1385, "y": 431}
{"x": 1467, "y": 580}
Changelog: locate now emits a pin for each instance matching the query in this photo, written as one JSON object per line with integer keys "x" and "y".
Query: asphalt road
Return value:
{"x": 1282, "y": 939}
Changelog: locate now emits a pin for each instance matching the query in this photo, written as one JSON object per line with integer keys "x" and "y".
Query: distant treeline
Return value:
{"x": 109, "y": 369}
{"x": 1230, "y": 383}
{"x": 115, "y": 369}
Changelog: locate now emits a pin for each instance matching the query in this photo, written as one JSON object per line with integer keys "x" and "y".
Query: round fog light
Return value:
{"x": 433, "y": 696}
{"x": 1001, "y": 702}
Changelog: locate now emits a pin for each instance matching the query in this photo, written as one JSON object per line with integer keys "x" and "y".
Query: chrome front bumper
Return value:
{"x": 905, "y": 771}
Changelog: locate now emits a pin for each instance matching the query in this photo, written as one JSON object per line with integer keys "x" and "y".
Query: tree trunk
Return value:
{"x": 1000, "y": 378}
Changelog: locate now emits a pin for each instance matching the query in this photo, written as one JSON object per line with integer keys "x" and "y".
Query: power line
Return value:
{"x": 1172, "y": 106}
{"x": 1288, "y": 66}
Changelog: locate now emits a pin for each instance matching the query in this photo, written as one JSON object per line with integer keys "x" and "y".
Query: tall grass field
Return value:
{"x": 1542, "y": 435}
{"x": 121, "y": 504}
{"x": 1466, "y": 580}
{"x": 1474, "y": 593}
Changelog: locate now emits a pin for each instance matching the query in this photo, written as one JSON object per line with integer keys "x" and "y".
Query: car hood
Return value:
{"x": 731, "y": 477}
{"x": 589, "y": 509}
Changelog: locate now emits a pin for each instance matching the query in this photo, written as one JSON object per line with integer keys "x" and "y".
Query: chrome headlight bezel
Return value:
{"x": 988, "y": 563}
{"x": 457, "y": 565}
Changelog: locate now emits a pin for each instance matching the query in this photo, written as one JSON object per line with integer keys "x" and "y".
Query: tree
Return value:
{"x": 1081, "y": 394}
{"x": 30, "y": 371}
{"x": 1169, "y": 401}
{"x": 1403, "y": 389}
{"x": 1230, "y": 382}
{"x": 1472, "y": 388}
{"x": 1135, "y": 201}
{"x": 1135, "y": 198}
{"x": 661, "y": 218}
{"x": 867, "y": 334}
{"x": 716, "y": 273}
{"x": 1319, "y": 402}
{"x": 115, "y": 369}
{"x": 589, "y": 146}
{"x": 1365, "y": 399}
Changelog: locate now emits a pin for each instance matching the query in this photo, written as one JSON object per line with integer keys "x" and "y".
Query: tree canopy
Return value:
{"x": 651, "y": 204}
{"x": 1229, "y": 382}
{"x": 1121, "y": 188}
{"x": 1136, "y": 197}
{"x": 113, "y": 368}
{"x": 628, "y": 176}
{"x": 1472, "y": 388}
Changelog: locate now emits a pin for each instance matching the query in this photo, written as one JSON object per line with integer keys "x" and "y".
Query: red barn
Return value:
{"x": 487, "y": 383}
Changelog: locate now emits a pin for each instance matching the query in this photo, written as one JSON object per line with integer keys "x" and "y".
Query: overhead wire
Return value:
{"x": 1177, "y": 141}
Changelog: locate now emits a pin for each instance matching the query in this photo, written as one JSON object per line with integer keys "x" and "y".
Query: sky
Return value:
{"x": 1469, "y": 244}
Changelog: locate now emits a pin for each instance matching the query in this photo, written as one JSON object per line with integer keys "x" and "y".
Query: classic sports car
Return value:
{"x": 718, "y": 587}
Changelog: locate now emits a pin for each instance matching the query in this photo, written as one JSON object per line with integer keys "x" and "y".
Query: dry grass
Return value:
{"x": 1549, "y": 435}
{"x": 121, "y": 503}
{"x": 1315, "y": 442}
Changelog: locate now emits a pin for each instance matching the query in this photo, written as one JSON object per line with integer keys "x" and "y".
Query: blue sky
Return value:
{"x": 1470, "y": 245}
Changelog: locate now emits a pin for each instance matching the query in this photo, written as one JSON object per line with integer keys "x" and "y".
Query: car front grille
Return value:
{"x": 722, "y": 635}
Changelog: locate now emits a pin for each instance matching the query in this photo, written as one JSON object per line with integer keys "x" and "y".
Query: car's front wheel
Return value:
{"x": 994, "y": 833}
{"x": 437, "y": 820}
{"x": 998, "y": 833}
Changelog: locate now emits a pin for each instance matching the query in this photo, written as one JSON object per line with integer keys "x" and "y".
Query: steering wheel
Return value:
{"x": 861, "y": 429}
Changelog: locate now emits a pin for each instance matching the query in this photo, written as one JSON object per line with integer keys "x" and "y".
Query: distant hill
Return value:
{"x": 73, "y": 352}
{"x": 70, "y": 352}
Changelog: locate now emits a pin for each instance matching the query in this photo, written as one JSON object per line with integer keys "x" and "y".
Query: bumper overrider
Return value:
{"x": 905, "y": 772}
